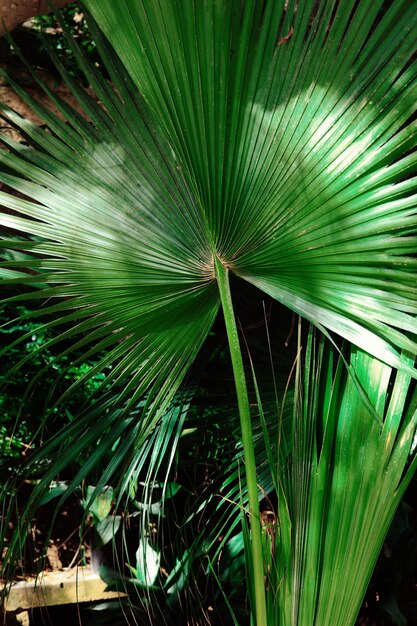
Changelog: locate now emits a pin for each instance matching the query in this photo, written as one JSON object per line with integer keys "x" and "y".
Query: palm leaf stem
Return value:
{"x": 222, "y": 275}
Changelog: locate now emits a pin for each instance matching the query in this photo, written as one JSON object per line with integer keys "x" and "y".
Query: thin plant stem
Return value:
{"x": 222, "y": 275}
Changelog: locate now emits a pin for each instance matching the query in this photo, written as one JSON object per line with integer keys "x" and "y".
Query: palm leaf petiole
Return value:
{"x": 222, "y": 275}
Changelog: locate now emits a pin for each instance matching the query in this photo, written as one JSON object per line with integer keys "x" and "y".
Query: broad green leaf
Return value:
{"x": 147, "y": 563}
{"x": 98, "y": 504}
{"x": 106, "y": 530}
{"x": 56, "y": 490}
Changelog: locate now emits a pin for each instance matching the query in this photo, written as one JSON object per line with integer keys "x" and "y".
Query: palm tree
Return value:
{"x": 272, "y": 140}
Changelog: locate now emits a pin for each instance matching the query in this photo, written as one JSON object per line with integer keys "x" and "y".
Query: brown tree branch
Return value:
{"x": 14, "y": 12}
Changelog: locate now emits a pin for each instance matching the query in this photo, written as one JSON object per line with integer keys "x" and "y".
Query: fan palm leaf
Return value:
{"x": 293, "y": 125}
{"x": 269, "y": 139}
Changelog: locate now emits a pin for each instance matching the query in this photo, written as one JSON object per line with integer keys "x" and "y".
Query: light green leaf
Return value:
{"x": 98, "y": 504}
{"x": 106, "y": 530}
{"x": 147, "y": 563}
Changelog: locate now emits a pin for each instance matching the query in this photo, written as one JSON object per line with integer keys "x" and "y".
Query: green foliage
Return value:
{"x": 98, "y": 505}
{"x": 73, "y": 21}
{"x": 341, "y": 483}
{"x": 272, "y": 141}
{"x": 18, "y": 398}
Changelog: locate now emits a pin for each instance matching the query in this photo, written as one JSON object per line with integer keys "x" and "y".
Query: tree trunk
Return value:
{"x": 14, "y": 12}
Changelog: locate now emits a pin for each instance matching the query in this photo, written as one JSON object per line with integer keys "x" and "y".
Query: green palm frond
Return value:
{"x": 273, "y": 140}
{"x": 104, "y": 246}
{"x": 290, "y": 166}
{"x": 294, "y": 126}
{"x": 342, "y": 483}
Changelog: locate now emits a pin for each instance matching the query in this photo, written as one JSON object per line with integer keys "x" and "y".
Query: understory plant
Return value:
{"x": 268, "y": 140}
{"x": 339, "y": 482}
